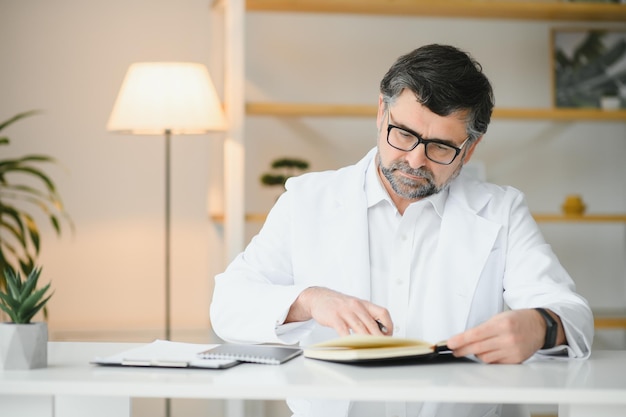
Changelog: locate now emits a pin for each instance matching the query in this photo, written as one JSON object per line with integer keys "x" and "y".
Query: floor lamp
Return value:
{"x": 167, "y": 98}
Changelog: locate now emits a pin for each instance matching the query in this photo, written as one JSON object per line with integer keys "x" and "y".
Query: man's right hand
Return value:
{"x": 344, "y": 313}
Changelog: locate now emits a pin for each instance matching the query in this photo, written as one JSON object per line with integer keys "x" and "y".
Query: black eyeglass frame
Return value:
{"x": 424, "y": 141}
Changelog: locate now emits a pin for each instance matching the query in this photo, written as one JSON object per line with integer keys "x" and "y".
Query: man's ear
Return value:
{"x": 380, "y": 115}
{"x": 470, "y": 150}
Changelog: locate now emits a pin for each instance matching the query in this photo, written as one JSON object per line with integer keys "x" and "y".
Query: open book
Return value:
{"x": 359, "y": 348}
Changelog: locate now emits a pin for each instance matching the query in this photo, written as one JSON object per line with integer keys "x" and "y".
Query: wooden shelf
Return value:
{"x": 250, "y": 217}
{"x": 361, "y": 110}
{"x": 491, "y": 9}
{"x": 539, "y": 217}
{"x": 586, "y": 218}
{"x": 609, "y": 319}
{"x": 560, "y": 114}
{"x": 310, "y": 110}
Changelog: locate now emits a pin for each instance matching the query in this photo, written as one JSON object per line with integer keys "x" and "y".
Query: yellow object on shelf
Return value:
{"x": 573, "y": 205}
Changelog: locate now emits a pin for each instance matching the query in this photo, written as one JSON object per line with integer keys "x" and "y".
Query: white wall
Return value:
{"x": 68, "y": 57}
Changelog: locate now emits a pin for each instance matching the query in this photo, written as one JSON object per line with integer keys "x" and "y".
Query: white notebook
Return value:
{"x": 266, "y": 354}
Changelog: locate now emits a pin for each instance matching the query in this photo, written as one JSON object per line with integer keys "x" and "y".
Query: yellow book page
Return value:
{"x": 361, "y": 341}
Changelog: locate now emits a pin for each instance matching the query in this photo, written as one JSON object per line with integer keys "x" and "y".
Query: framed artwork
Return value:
{"x": 589, "y": 68}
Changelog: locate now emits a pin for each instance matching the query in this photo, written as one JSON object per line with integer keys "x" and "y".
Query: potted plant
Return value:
{"x": 25, "y": 190}
{"x": 283, "y": 169}
{"x": 23, "y": 344}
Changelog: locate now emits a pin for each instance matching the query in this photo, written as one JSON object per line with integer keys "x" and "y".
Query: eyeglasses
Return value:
{"x": 435, "y": 150}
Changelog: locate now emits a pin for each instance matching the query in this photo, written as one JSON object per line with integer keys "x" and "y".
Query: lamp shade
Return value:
{"x": 167, "y": 96}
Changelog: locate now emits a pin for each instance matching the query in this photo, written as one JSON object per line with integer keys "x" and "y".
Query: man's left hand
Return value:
{"x": 509, "y": 337}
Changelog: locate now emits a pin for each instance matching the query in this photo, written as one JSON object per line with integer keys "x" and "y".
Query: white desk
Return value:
{"x": 70, "y": 386}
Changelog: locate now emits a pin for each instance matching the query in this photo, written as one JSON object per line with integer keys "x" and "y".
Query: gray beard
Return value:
{"x": 410, "y": 189}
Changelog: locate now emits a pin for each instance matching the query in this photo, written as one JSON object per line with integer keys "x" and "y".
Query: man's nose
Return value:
{"x": 417, "y": 157}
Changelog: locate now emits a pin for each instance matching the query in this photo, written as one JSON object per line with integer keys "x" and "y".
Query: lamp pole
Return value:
{"x": 168, "y": 327}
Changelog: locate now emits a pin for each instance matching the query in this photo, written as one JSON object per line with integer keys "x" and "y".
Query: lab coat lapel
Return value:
{"x": 465, "y": 242}
{"x": 349, "y": 221}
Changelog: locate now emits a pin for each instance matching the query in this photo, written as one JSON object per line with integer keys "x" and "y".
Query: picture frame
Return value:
{"x": 588, "y": 68}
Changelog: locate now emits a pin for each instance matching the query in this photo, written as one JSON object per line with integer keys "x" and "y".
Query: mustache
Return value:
{"x": 404, "y": 167}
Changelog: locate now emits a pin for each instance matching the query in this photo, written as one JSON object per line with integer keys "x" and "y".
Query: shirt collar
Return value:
{"x": 375, "y": 192}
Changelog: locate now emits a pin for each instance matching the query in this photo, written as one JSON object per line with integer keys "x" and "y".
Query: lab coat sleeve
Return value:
{"x": 534, "y": 277}
{"x": 253, "y": 295}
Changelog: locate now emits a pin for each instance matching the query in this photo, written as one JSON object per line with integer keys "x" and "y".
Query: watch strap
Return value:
{"x": 551, "y": 329}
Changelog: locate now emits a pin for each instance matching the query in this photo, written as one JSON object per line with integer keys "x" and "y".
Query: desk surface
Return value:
{"x": 599, "y": 380}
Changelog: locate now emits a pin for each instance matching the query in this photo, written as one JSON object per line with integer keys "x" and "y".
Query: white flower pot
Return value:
{"x": 609, "y": 103}
{"x": 23, "y": 346}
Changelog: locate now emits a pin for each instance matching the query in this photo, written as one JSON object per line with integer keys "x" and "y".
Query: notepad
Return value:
{"x": 266, "y": 354}
{"x": 165, "y": 354}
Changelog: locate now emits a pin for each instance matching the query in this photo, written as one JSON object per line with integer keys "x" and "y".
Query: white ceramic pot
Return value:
{"x": 23, "y": 346}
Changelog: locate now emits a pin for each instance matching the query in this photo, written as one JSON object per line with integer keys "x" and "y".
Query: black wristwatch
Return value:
{"x": 551, "y": 329}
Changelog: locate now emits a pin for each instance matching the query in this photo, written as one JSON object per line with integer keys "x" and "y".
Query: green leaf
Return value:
{"x": 270, "y": 179}
{"x": 55, "y": 224}
{"x": 31, "y": 282}
{"x": 33, "y": 231}
{"x": 37, "y": 173}
{"x": 13, "y": 253}
{"x": 9, "y": 301}
{"x": 15, "y": 231}
{"x": 290, "y": 163}
{"x": 14, "y": 283}
{"x": 28, "y": 317}
{"x": 28, "y": 264}
{"x": 13, "y": 215}
{"x": 10, "y": 312}
{"x": 18, "y": 117}
{"x": 30, "y": 301}
{"x": 36, "y": 158}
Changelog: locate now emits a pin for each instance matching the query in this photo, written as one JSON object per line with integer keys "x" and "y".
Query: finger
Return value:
{"x": 462, "y": 340}
{"x": 499, "y": 356}
{"x": 383, "y": 329}
{"x": 341, "y": 327}
{"x": 364, "y": 324}
{"x": 375, "y": 325}
{"x": 382, "y": 319}
{"x": 470, "y": 344}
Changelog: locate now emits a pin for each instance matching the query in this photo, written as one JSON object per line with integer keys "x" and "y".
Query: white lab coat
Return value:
{"x": 490, "y": 256}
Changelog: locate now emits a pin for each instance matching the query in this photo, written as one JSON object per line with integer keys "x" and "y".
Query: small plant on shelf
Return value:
{"x": 283, "y": 169}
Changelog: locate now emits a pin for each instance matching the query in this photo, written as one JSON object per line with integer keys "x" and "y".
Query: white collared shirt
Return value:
{"x": 399, "y": 261}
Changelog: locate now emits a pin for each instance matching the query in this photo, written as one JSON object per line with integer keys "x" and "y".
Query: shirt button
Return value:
{"x": 399, "y": 282}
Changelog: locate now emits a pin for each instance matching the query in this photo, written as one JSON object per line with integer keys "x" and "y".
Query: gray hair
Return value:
{"x": 445, "y": 80}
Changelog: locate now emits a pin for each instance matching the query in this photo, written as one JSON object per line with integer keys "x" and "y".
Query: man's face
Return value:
{"x": 410, "y": 176}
